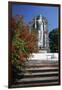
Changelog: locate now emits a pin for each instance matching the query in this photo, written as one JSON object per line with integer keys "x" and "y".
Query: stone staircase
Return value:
{"x": 38, "y": 73}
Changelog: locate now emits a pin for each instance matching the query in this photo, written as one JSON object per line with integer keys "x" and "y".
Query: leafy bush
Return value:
{"x": 23, "y": 42}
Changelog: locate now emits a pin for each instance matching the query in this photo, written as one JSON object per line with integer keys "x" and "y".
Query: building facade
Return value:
{"x": 40, "y": 24}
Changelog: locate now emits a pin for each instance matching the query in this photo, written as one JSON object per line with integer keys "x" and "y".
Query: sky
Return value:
{"x": 29, "y": 11}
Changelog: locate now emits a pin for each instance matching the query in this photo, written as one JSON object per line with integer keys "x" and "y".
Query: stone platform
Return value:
{"x": 44, "y": 56}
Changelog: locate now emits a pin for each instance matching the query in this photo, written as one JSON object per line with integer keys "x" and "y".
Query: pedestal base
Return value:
{"x": 42, "y": 51}
{"x": 44, "y": 56}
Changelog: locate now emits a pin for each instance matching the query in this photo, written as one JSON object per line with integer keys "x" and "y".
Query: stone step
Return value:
{"x": 37, "y": 75}
{"x": 40, "y": 74}
{"x": 45, "y": 70}
{"x": 37, "y": 79}
{"x": 41, "y": 65}
{"x": 41, "y": 69}
{"x": 36, "y": 84}
{"x": 41, "y": 62}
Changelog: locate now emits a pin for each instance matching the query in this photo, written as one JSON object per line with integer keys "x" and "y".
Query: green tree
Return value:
{"x": 53, "y": 40}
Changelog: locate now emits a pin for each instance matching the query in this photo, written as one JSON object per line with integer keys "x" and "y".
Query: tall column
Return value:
{"x": 45, "y": 40}
{"x": 41, "y": 32}
{"x": 35, "y": 23}
{"x": 39, "y": 38}
{"x": 45, "y": 32}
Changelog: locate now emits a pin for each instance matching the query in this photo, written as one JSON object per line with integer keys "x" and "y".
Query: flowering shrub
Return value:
{"x": 23, "y": 43}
